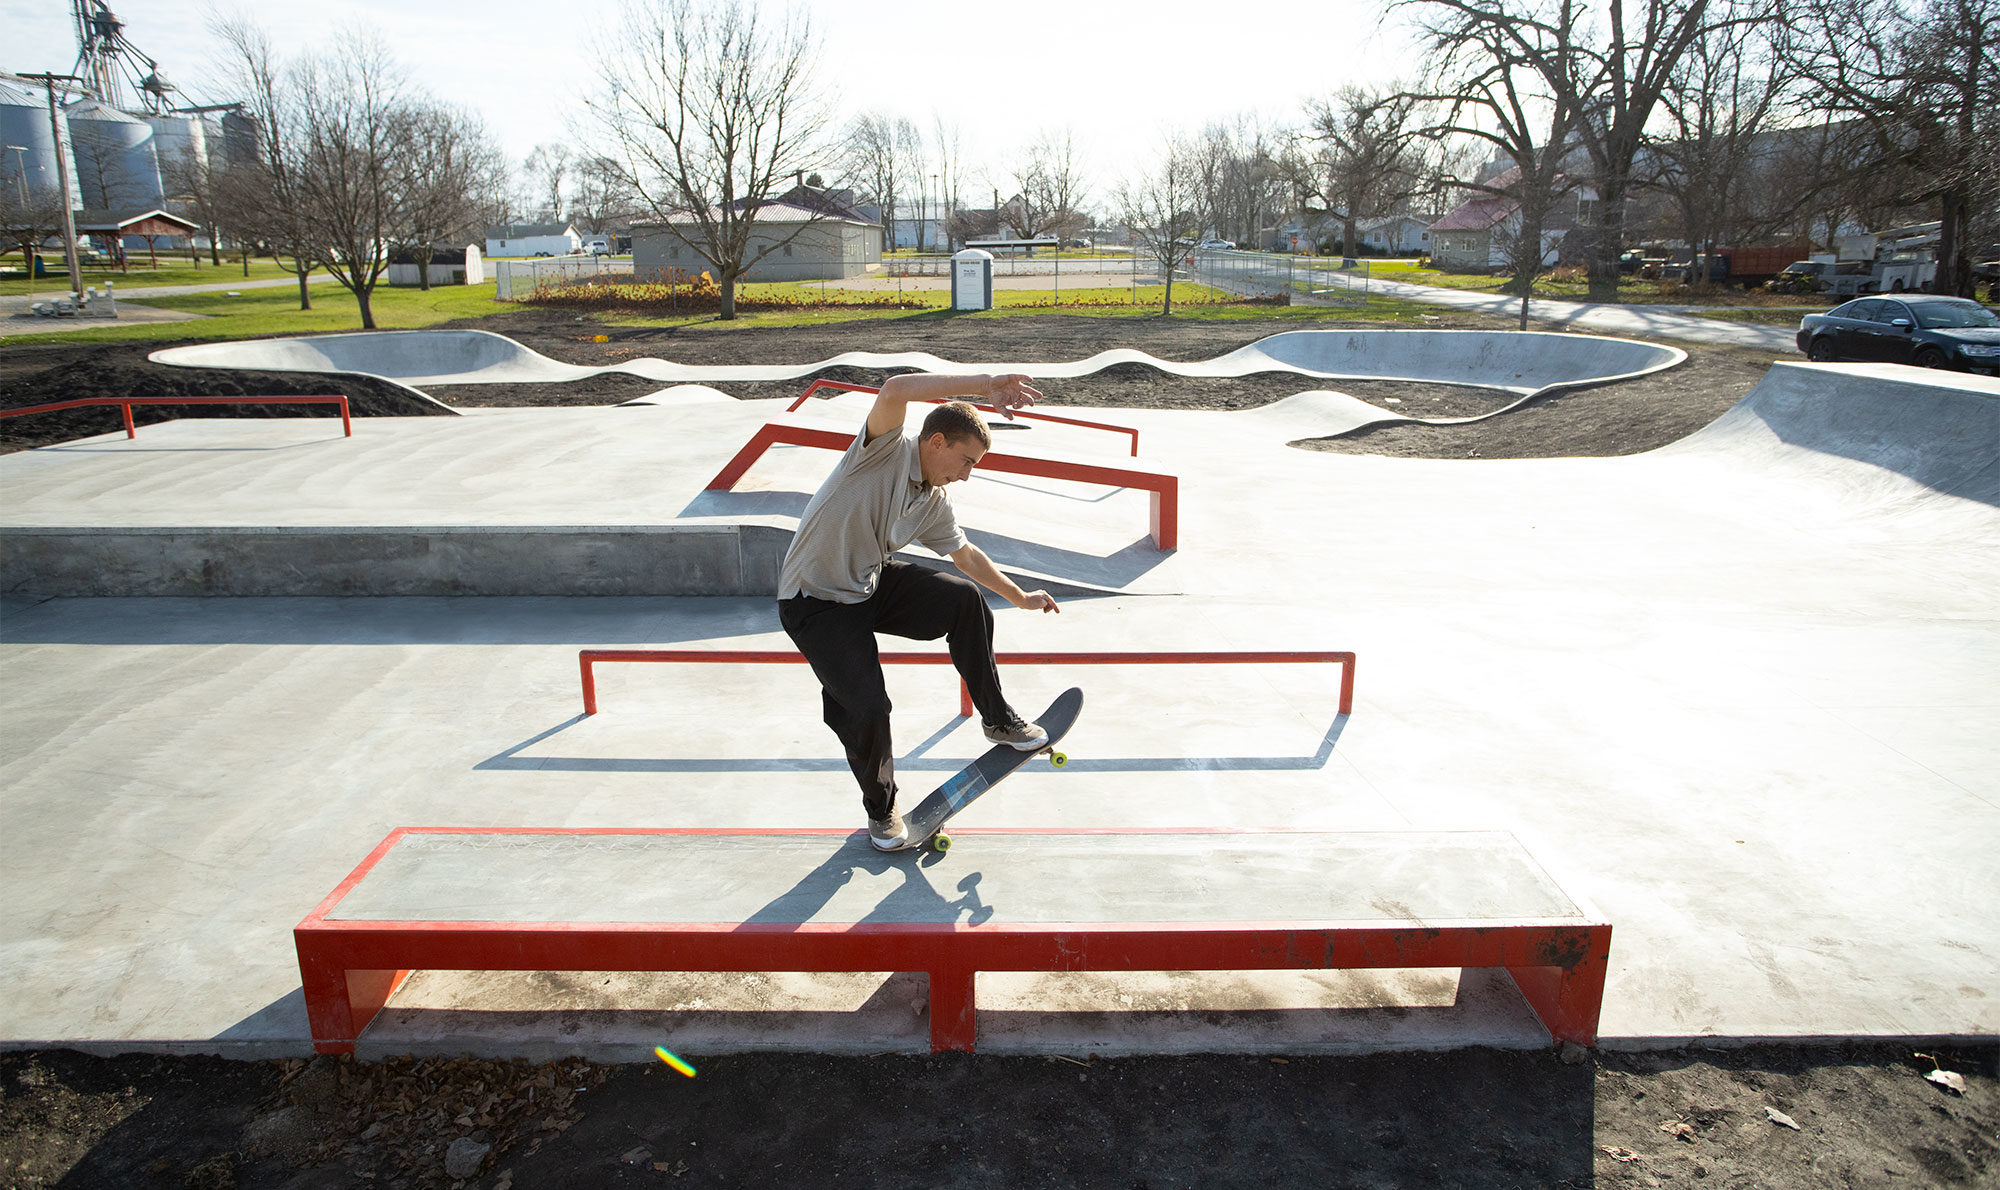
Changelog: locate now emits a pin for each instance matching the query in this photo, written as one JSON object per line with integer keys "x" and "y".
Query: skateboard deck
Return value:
{"x": 924, "y": 823}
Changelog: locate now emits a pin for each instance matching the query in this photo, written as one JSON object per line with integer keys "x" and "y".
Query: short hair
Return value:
{"x": 958, "y": 421}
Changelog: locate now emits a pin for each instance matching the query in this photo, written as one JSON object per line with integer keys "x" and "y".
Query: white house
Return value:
{"x": 448, "y": 266}
{"x": 1395, "y": 234}
{"x": 533, "y": 239}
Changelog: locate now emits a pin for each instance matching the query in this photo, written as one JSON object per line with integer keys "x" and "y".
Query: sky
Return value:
{"x": 1118, "y": 75}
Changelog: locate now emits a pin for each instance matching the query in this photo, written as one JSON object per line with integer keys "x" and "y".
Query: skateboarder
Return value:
{"x": 839, "y": 585}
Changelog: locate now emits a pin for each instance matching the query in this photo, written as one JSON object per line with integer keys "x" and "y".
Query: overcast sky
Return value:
{"x": 1118, "y": 74}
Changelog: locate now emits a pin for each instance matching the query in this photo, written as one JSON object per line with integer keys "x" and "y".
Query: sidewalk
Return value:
{"x": 19, "y": 303}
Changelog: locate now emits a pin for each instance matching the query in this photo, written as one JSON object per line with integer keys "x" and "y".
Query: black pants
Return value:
{"x": 839, "y": 640}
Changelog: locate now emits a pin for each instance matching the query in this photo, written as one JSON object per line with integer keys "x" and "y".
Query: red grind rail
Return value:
{"x": 1025, "y": 414}
{"x": 131, "y": 431}
{"x": 587, "y": 659}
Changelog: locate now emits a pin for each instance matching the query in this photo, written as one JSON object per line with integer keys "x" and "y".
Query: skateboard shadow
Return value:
{"x": 915, "y": 901}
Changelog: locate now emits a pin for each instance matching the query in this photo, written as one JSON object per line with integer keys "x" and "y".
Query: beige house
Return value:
{"x": 804, "y": 245}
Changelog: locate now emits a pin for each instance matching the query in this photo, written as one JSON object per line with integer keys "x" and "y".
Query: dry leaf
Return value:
{"x": 1950, "y": 1080}
{"x": 1620, "y": 1153}
{"x": 1679, "y": 1128}
{"x": 1778, "y": 1117}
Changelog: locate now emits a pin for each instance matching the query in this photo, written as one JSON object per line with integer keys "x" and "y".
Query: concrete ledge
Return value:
{"x": 734, "y": 559}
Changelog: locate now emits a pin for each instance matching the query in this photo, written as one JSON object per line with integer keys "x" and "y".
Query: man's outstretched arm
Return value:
{"x": 1006, "y": 393}
{"x": 973, "y": 562}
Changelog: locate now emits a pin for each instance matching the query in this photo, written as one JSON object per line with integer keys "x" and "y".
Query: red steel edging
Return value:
{"x": 125, "y": 405}
{"x": 1025, "y": 414}
{"x": 587, "y": 659}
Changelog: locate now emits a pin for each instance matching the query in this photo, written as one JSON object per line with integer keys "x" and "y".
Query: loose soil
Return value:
{"x": 1751, "y": 1119}
{"x": 1865, "y": 1116}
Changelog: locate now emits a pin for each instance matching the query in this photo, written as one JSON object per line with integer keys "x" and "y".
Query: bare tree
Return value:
{"x": 547, "y": 170}
{"x": 1922, "y": 78}
{"x": 192, "y": 181}
{"x": 1486, "y": 87}
{"x": 351, "y": 114}
{"x": 1612, "y": 73}
{"x": 444, "y": 154}
{"x": 266, "y": 199}
{"x": 1715, "y": 159}
{"x": 600, "y": 195}
{"x": 1051, "y": 187}
{"x": 915, "y": 164}
{"x": 1167, "y": 210}
{"x": 1363, "y": 155}
{"x": 1246, "y": 180}
{"x": 950, "y": 162}
{"x": 709, "y": 110}
{"x": 875, "y": 158}
{"x": 30, "y": 215}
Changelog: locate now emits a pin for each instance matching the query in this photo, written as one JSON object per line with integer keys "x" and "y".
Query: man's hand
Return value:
{"x": 1037, "y": 601}
{"x": 1010, "y": 392}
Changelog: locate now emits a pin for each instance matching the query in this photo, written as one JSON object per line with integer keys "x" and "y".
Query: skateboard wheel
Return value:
{"x": 941, "y": 842}
{"x": 1058, "y": 759}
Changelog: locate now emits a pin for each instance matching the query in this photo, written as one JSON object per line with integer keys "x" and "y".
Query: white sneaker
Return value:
{"x": 888, "y": 834}
{"x": 1017, "y": 732}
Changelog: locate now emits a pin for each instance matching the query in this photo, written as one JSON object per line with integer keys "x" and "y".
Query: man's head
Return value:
{"x": 954, "y": 440}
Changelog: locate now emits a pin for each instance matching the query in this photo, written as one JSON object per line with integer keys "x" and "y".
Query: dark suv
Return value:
{"x": 1928, "y": 330}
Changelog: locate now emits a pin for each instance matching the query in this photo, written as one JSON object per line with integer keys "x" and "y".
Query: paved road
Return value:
{"x": 16, "y": 303}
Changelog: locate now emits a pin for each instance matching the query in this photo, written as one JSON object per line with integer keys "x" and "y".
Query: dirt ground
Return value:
{"x": 1750, "y": 1119}
{"x": 1766, "y": 1117}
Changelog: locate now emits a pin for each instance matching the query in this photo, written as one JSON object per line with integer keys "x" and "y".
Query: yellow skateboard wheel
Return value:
{"x": 1058, "y": 759}
{"x": 941, "y": 842}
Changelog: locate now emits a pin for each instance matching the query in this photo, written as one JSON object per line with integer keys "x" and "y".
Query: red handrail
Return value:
{"x": 588, "y": 658}
{"x": 131, "y": 431}
{"x": 1021, "y": 413}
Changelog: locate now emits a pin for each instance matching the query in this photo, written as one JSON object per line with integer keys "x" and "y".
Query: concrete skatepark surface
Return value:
{"x": 1732, "y": 692}
{"x": 1526, "y": 365}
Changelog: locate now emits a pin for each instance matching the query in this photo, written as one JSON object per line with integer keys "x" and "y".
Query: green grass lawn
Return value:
{"x": 263, "y": 313}
{"x": 170, "y": 272}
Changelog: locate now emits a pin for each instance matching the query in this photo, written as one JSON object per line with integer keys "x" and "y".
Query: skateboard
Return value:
{"x": 924, "y": 824}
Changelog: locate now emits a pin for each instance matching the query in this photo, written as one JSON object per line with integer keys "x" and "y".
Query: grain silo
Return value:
{"x": 28, "y": 156}
{"x": 116, "y": 163}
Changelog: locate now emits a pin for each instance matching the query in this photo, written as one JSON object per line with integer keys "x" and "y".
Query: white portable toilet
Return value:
{"x": 972, "y": 279}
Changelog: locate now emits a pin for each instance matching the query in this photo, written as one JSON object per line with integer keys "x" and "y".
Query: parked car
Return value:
{"x": 1215, "y": 245}
{"x": 1928, "y": 330}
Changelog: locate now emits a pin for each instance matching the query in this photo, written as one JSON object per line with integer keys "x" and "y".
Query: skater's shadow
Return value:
{"x": 912, "y": 900}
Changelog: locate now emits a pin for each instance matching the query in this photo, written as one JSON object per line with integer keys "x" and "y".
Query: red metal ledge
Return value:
{"x": 131, "y": 431}
{"x": 588, "y": 659}
{"x": 350, "y": 967}
{"x": 1164, "y": 485}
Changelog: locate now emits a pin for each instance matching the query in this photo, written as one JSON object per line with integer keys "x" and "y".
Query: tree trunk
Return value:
{"x": 1954, "y": 276}
{"x": 305, "y": 290}
{"x": 1608, "y": 238}
{"x": 424, "y": 272}
{"x": 361, "y": 297}
{"x": 726, "y": 310}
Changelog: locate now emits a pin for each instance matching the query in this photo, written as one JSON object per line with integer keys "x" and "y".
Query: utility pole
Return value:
{"x": 62, "y": 172}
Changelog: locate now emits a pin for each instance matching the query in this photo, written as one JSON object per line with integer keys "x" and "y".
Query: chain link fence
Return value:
{"x": 1309, "y": 281}
{"x": 517, "y": 280}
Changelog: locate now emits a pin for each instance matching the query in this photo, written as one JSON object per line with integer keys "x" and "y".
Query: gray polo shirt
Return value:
{"x": 875, "y": 503}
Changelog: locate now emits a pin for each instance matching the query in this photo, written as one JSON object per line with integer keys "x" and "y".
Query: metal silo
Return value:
{"x": 115, "y": 158}
{"x": 27, "y": 146}
{"x": 242, "y": 139}
{"x": 179, "y": 141}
